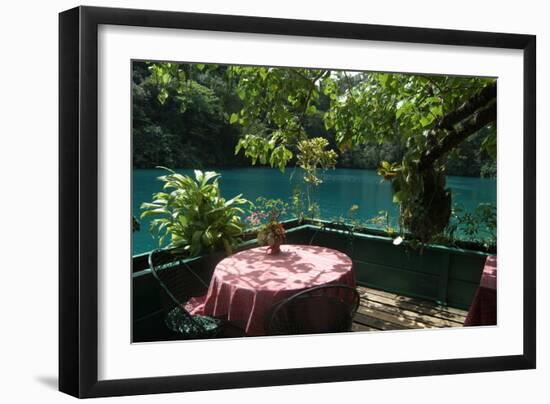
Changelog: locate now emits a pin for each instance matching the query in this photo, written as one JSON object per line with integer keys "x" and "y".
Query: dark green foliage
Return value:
{"x": 471, "y": 159}
{"x": 426, "y": 210}
{"x": 189, "y": 120}
{"x": 183, "y": 123}
{"x": 479, "y": 225}
{"x": 261, "y": 210}
{"x": 370, "y": 156}
{"x": 192, "y": 215}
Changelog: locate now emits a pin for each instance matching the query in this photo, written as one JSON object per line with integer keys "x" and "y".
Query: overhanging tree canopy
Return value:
{"x": 429, "y": 115}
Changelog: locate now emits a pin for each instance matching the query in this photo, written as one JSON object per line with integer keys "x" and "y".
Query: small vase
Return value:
{"x": 274, "y": 249}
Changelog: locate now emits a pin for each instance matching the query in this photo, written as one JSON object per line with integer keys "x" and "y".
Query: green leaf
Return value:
{"x": 194, "y": 216}
{"x": 162, "y": 96}
{"x": 234, "y": 118}
{"x": 437, "y": 110}
{"x": 402, "y": 106}
{"x": 241, "y": 93}
{"x": 426, "y": 120}
{"x": 383, "y": 78}
{"x": 398, "y": 197}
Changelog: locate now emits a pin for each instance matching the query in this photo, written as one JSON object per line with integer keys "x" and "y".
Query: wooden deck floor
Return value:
{"x": 379, "y": 310}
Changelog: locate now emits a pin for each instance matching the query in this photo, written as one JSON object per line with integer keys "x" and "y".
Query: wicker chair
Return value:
{"x": 321, "y": 309}
{"x": 177, "y": 288}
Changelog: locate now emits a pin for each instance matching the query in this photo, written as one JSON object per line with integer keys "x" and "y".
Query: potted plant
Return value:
{"x": 272, "y": 234}
{"x": 192, "y": 215}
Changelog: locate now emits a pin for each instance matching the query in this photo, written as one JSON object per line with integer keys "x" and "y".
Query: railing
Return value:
{"x": 446, "y": 275}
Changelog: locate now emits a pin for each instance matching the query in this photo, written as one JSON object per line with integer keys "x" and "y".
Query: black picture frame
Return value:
{"x": 78, "y": 201}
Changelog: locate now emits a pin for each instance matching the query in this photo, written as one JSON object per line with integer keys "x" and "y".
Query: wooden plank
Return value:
{"x": 391, "y": 321}
{"x": 376, "y": 323}
{"x": 435, "y": 311}
{"x": 363, "y": 290}
{"x": 407, "y": 317}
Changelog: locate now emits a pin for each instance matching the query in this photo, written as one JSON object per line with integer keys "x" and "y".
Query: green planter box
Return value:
{"x": 445, "y": 275}
{"x": 449, "y": 276}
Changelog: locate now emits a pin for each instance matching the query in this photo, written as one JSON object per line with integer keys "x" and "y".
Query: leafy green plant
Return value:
{"x": 298, "y": 205}
{"x": 312, "y": 156}
{"x": 384, "y": 222}
{"x": 388, "y": 170}
{"x": 423, "y": 198}
{"x": 261, "y": 210}
{"x": 478, "y": 226}
{"x": 302, "y": 206}
{"x": 192, "y": 214}
{"x": 349, "y": 221}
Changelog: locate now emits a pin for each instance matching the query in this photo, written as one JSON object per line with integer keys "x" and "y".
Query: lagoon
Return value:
{"x": 341, "y": 188}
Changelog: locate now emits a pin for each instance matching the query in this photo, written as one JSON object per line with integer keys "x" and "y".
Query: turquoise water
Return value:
{"x": 340, "y": 189}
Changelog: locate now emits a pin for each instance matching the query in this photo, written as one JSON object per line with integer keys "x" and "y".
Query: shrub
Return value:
{"x": 193, "y": 215}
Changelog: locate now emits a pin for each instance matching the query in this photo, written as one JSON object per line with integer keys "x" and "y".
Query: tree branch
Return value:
{"x": 484, "y": 97}
{"x": 468, "y": 127}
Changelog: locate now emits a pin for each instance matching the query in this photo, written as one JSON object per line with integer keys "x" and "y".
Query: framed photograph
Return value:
{"x": 251, "y": 201}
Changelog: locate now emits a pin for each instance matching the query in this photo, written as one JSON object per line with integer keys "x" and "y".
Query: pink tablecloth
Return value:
{"x": 247, "y": 283}
{"x": 483, "y": 310}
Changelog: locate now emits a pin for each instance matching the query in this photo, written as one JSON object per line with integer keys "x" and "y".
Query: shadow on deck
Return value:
{"x": 379, "y": 310}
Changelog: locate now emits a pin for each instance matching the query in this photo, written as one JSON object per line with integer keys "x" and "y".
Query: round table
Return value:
{"x": 246, "y": 284}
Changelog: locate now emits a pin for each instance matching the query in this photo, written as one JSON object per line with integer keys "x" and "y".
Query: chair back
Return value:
{"x": 175, "y": 291}
{"x": 321, "y": 309}
{"x": 178, "y": 281}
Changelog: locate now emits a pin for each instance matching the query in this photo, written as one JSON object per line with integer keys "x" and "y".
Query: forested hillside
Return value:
{"x": 187, "y": 124}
